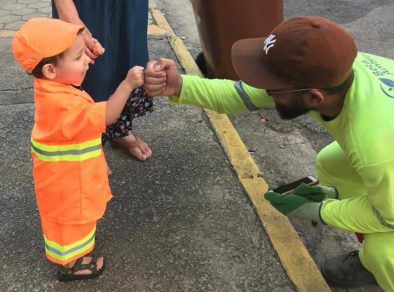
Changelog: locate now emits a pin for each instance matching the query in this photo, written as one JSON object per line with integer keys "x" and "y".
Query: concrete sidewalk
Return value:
{"x": 181, "y": 221}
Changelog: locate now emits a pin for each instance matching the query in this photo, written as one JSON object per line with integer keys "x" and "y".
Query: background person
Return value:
{"x": 120, "y": 26}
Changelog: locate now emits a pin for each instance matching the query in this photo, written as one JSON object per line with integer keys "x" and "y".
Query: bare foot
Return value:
{"x": 138, "y": 148}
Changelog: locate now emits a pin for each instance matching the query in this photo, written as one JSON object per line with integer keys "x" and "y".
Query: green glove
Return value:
{"x": 296, "y": 206}
{"x": 315, "y": 193}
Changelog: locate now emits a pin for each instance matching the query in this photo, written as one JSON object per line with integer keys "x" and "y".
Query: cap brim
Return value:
{"x": 247, "y": 58}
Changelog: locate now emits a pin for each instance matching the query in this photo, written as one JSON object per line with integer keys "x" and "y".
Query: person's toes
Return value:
{"x": 148, "y": 153}
{"x": 137, "y": 153}
{"x": 145, "y": 149}
{"x": 140, "y": 150}
{"x": 100, "y": 263}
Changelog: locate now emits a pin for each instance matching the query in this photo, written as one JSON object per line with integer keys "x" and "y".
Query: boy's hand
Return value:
{"x": 135, "y": 76}
{"x": 117, "y": 101}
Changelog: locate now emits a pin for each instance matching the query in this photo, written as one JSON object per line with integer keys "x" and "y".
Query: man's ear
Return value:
{"x": 313, "y": 98}
{"x": 49, "y": 71}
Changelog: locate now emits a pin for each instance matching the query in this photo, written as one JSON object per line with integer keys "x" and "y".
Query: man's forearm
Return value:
{"x": 67, "y": 11}
{"x": 216, "y": 94}
{"x": 355, "y": 214}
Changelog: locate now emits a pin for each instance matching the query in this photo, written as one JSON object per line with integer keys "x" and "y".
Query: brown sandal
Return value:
{"x": 68, "y": 274}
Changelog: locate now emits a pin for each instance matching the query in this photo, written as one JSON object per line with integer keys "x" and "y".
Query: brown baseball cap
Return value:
{"x": 41, "y": 38}
{"x": 302, "y": 52}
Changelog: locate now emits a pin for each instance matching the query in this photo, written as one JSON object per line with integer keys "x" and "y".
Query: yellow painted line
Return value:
{"x": 161, "y": 21}
{"x": 295, "y": 259}
{"x": 155, "y": 30}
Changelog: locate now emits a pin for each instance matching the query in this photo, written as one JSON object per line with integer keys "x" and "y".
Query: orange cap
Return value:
{"x": 41, "y": 38}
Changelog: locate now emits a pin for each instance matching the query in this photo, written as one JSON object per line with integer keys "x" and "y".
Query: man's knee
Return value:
{"x": 323, "y": 168}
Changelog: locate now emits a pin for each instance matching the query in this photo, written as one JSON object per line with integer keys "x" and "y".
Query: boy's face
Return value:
{"x": 73, "y": 65}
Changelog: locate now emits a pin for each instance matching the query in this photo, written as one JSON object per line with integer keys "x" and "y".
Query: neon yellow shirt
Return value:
{"x": 364, "y": 129}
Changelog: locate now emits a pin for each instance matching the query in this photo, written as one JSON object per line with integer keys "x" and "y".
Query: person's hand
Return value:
{"x": 93, "y": 47}
{"x": 296, "y": 206}
{"x": 135, "y": 76}
{"x": 162, "y": 78}
{"x": 315, "y": 193}
{"x": 286, "y": 203}
{"x": 68, "y": 12}
{"x": 303, "y": 202}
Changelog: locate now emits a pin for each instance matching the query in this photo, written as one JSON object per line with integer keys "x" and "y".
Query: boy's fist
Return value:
{"x": 135, "y": 76}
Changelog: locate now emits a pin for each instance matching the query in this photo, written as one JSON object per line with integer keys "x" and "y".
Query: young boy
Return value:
{"x": 70, "y": 175}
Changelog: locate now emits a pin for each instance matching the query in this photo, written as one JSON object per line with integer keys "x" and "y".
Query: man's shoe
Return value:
{"x": 347, "y": 271}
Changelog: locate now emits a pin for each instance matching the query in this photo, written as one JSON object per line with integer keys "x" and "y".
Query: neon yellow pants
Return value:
{"x": 377, "y": 250}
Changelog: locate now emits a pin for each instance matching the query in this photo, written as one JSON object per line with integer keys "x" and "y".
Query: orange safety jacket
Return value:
{"x": 70, "y": 174}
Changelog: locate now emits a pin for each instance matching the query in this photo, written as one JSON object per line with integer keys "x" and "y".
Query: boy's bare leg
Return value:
{"x": 138, "y": 148}
{"x": 109, "y": 171}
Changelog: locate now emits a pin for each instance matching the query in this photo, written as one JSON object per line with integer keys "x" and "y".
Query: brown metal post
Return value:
{"x": 222, "y": 22}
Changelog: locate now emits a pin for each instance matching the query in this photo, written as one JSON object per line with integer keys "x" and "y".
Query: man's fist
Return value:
{"x": 162, "y": 78}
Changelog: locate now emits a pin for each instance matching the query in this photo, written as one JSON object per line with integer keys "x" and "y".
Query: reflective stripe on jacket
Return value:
{"x": 72, "y": 152}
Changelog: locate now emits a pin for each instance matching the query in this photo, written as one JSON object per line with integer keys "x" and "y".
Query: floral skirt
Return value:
{"x": 137, "y": 105}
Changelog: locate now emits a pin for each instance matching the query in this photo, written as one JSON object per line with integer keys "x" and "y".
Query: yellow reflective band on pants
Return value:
{"x": 66, "y": 252}
{"x": 71, "y": 152}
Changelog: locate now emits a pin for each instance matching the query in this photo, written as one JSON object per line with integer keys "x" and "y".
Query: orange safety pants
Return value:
{"x": 65, "y": 243}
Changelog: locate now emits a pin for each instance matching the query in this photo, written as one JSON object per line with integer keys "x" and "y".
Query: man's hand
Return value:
{"x": 162, "y": 78}
{"x": 294, "y": 206}
{"x": 315, "y": 193}
{"x": 303, "y": 202}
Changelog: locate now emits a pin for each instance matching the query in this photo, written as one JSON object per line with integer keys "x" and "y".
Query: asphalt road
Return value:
{"x": 186, "y": 224}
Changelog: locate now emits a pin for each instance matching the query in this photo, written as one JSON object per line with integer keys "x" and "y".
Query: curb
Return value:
{"x": 294, "y": 257}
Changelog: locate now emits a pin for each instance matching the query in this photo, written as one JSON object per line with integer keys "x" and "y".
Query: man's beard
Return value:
{"x": 296, "y": 109}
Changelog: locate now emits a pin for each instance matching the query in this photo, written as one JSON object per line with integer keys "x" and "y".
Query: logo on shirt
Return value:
{"x": 387, "y": 86}
{"x": 269, "y": 43}
{"x": 382, "y": 74}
